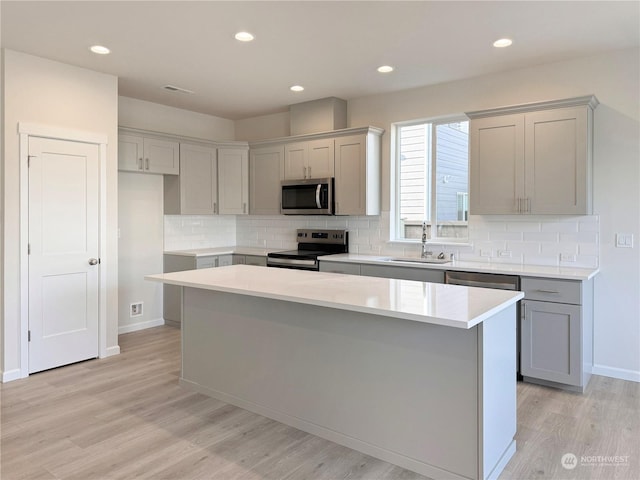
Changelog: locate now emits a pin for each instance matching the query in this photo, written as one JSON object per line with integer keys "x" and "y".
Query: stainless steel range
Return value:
{"x": 312, "y": 243}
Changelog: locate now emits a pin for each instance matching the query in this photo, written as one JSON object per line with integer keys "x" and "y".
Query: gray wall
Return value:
{"x": 141, "y": 220}
{"x": 49, "y": 93}
{"x": 614, "y": 78}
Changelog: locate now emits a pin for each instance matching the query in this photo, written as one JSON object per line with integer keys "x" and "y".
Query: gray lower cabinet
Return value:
{"x": 255, "y": 260}
{"x": 172, "y": 295}
{"x": 403, "y": 273}
{"x": 557, "y": 332}
{"x": 347, "y": 268}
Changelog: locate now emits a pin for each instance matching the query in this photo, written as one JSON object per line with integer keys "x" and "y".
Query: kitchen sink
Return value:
{"x": 418, "y": 260}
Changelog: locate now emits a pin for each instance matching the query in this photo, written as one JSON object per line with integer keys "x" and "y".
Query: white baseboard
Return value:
{"x": 156, "y": 322}
{"x": 11, "y": 375}
{"x": 111, "y": 351}
{"x": 621, "y": 373}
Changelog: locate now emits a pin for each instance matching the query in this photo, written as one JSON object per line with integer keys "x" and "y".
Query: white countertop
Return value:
{"x": 542, "y": 271}
{"x": 209, "y": 252}
{"x": 438, "y": 304}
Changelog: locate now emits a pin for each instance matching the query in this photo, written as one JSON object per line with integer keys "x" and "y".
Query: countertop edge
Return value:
{"x": 215, "y": 251}
{"x": 535, "y": 271}
{"x": 343, "y": 306}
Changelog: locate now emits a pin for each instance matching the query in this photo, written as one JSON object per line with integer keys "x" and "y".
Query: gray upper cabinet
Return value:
{"x": 195, "y": 190}
{"x": 532, "y": 159}
{"x": 233, "y": 181}
{"x": 357, "y": 177}
{"x": 309, "y": 159}
{"x": 137, "y": 153}
{"x": 265, "y": 173}
{"x": 351, "y": 156}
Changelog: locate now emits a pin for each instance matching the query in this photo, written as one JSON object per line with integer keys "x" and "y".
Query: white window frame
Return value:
{"x": 431, "y": 206}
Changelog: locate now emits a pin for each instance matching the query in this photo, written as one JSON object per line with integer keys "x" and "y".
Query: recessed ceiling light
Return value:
{"x": 297, "y": 88}
{"x": 244, "y": 36}
{"x": 99, "y": 49}
{"x": 385, "y": 69}
{"x": 503, "y": 42}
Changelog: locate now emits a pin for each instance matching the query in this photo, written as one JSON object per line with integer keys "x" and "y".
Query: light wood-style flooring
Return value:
{"x": 126, "y": 417}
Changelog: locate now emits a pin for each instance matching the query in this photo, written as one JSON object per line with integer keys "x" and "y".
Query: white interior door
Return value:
{"x": 63, "y": 258}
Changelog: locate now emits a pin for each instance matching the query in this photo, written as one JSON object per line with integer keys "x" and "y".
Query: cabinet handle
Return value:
{"x": 309, "y": 171}
{"x": 147, "y": 161}
{"x": 528, "y": 205}
{"x": 215, "y": 207}
{"x": 519, "y": 205}
{"x": 304, "y": 172}
{"x": 553, "y": 292}
{"x": 141, "y": 167}
{"x": 244, "y": 208}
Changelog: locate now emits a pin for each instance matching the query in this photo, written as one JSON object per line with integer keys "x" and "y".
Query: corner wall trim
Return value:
{"x": 11, "y": 375}
{"x": 156, "y": 322}
{"x": 620, "y": 373}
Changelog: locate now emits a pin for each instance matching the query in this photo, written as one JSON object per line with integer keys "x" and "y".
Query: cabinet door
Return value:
{"x": 198, "y": 180}
{"x": 556, "y": 161}
{"x": 295, "y": 160}
{"x": 233, "y": 181}
{"x": 207, "y": 262}
{"x": 551, "y": 342}
{"x": 351, "y": 175}
{"x": 130, "y": 153}
{"x": 496, "y": 164}
{"x": 264, "y": 182}
{"x": 161, "y": 156}
{"x": 320, "y": 162}
{"x": 225, "y": 260}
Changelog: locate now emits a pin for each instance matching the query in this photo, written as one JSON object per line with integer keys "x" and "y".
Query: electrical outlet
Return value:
{"x": 567, "y": 257}
{"x": 504, "y": 253}
{"x": 135, "y": 309}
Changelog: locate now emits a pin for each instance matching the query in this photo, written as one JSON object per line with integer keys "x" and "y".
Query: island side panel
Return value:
{"x": 402, "y": 391}
{"x": 497, "y": 372}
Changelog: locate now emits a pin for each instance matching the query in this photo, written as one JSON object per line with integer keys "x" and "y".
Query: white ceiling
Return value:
{"x": 332, "y": 48}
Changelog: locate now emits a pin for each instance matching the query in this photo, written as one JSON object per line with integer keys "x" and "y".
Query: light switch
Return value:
{"x": 624, "y": 240}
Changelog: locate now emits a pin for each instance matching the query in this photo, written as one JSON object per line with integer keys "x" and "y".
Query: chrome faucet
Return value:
{"x": 425, "y": 253}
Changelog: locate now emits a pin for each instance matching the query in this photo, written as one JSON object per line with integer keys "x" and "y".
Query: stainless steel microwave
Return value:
{"x": 313, "y": 196}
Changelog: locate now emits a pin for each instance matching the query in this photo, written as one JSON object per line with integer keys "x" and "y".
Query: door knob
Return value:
{"x": 93, "y": 261}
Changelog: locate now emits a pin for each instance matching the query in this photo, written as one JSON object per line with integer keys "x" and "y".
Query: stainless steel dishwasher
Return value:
{"x": 490, "y": 280}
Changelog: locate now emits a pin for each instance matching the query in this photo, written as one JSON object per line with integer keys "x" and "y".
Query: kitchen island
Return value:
{"x": 420, "y": 375}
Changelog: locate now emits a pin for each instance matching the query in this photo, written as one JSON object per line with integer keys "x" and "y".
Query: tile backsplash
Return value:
{"x": 184, "y": 232}
{"x": 536, "y": 240}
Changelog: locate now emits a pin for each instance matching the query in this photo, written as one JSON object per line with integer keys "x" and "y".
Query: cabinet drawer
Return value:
{"x": 558, "y": 291}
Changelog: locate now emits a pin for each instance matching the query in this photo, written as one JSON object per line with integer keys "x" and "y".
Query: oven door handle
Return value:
{"x": 318, "y": 188}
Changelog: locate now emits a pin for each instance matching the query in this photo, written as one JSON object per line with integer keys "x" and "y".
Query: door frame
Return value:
{"x": 26, "y": 130}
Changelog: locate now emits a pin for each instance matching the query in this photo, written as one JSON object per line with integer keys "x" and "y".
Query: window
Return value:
{"x": 432, "y": 179}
